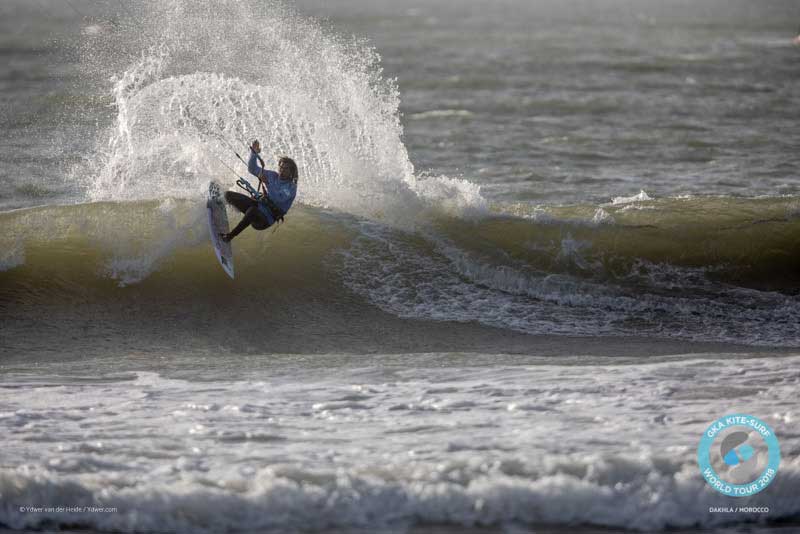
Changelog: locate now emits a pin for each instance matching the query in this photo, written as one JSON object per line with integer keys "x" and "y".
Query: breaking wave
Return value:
{"x": 647, "y": 271}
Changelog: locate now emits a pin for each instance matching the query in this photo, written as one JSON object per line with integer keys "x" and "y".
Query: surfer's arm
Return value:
{"x": 253, "y": 166}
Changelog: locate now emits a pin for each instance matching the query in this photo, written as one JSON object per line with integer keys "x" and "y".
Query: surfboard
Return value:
{"x": 218, "y": 224}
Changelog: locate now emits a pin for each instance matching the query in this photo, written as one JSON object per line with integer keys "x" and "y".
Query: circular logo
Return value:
{"x": 739, "y": 455}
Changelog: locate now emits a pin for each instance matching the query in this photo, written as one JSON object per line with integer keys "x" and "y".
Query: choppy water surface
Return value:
{"x": 439, "y": 439}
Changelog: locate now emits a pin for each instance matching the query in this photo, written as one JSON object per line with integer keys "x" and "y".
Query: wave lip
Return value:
{"x": 441, "y": 113}
{"x": 640, "y": 197}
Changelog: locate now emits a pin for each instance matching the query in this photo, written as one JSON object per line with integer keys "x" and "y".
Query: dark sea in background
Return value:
{"x": 538, "y": 247}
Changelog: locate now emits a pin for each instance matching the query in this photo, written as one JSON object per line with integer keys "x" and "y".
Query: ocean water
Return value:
{"x": 538, "y": 248}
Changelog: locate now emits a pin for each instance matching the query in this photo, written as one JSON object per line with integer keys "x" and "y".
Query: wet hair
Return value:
{"x": 289, "y": 166}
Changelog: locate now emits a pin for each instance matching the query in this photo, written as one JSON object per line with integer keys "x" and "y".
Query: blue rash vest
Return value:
{"x": 281, "y": 192}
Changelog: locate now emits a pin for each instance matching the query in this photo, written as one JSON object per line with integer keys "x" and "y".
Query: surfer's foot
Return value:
{"x": 226, "y": 237}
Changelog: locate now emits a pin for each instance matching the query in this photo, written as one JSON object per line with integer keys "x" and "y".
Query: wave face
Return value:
{"x": 702, "y": 269}
{"x": 694, "y": 269}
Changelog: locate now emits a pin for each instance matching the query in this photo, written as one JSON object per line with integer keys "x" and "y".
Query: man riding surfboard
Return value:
{"x": 278, "y": 192}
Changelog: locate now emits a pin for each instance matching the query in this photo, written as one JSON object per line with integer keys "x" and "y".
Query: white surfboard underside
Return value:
{"x": 218, "y": 224}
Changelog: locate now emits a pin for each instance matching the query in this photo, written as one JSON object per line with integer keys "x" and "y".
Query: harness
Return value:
{"x": 265, "y": 204}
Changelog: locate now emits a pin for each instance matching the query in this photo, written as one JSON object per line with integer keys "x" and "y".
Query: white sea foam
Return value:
{"x": 640, "y": 197}
{"x": 451, "y": 444}
{"x": 645, "y": 494}
{"x": 601, "y": 216}
{"x": 460, "y": 286}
